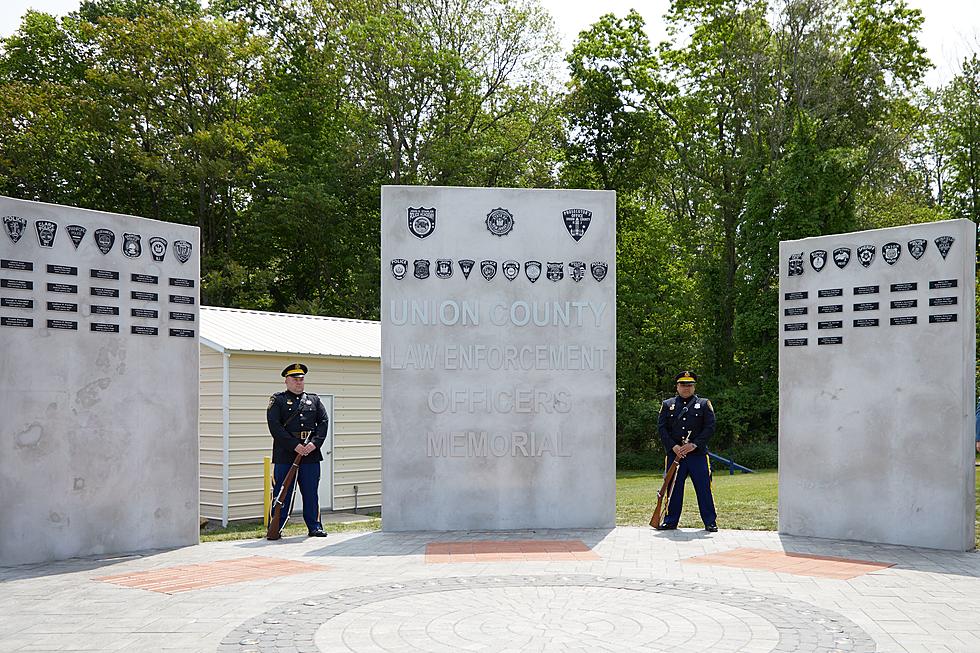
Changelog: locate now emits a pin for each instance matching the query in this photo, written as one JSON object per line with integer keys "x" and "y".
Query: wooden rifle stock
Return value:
{"x": 274, "y": 532}
{"x": 663, "y": 494}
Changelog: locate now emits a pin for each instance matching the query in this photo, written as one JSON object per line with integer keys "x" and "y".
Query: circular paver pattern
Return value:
{"x": 546, "y": 613}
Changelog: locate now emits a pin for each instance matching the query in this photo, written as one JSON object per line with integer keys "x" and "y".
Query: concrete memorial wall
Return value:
{"x": 98, "y": 382}
{"x": 498, "y": 329}
{"x": 877, "y": 385}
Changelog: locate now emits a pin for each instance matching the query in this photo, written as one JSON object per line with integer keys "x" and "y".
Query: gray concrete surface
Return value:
{"x": 98, "y": 442}
{"x": 876, "y": 431}
{"x": 498, "y": 389}
{"x": 379, "y": 594}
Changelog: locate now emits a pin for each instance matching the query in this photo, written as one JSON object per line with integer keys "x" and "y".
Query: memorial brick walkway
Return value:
{"x": 626, "y": 589}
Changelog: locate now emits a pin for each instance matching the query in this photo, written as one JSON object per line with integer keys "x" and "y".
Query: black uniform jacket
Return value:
{"x": 290, "y": 414}
{"x": 677, "y": 417}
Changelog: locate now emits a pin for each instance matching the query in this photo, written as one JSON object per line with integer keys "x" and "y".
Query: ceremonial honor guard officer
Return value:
{"x": 686, "y": 423}
{"x": 298, "y": 424}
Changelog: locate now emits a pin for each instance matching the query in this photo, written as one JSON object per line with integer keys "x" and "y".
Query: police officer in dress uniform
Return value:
{"x": 298, "y": 424}
{"x": 686, "y": 423}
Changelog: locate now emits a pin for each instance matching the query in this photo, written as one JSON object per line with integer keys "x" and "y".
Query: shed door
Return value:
{"x": 325, "y": 490}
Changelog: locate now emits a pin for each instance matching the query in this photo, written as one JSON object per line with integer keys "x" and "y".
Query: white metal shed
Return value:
{"x": 242, "y": 355}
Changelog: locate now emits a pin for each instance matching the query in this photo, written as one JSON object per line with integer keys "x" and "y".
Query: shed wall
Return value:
{"x": 210, "y": 428}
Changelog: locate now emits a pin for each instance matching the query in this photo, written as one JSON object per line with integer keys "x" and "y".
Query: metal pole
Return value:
{"x": 266, "y": 489}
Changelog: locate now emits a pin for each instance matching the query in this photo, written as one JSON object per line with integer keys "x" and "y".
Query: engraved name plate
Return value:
{"x": 830, "y": 308}
{"x": 105, "y": 292}
{"x": 865, "y": 290}
{"x": 104, "y": 274}
{"x": 16, "y": 321}
{"x": 17, "y": 284}
{"x": 942, "y": 317}
{"x": 831, "y": 292}
{"x": 62, "y": 287}
{"x": 68, "y": 325}
{"x": 64, "y": 307}
{"x": 103, "y": 327}
{"x": 182, "y": 283}
{"x": 831, "y": 340}
{"x": 143, "y": 312}
{"x": 866, "y": 306}
{"x": 904, "y": 287}
{"x": 8, "y": 264}
{"x": 866, "y": 322}
{"x": 144, "y": 278}
{"x": 795, "y": 342}
{"x": 831, "y": 324}
{"x": 943, "y": 283}
{"x": 904, "y": 319}
{"x": 104, "y": 310}
{"x": 143, "y": 330}
{"x": 144, "y": 296}
{"x": 942, "y": 301}
{"x": 905, "y": 303}
{"x": 181, "y": 299}
{"x": 795, "y": 326}
{"x": 63, "y": 269}
{"x": 182, "y": 333}
{"x": 791, "y": 296}
{"x": 796, "y": 310}
{"x": 16, "y": 302}
{"x": 186, "y": 317}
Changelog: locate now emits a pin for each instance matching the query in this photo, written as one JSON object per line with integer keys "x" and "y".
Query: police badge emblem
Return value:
{"x": 444, "y": 268}
{"x": 555, "y": 271}
{"x": 866, "y": 254}
{"x": 796, "y": 264}
{"x": 577, "y": 270}
{"x": 14, "y": 226}
{"x": 532, "y": 269}
{"x": 421, "y": 221}
{"x": 943, "y": 244}
{"x": 158, "y": 248}
{"x": 421, "y": 268}
{"x": 399, "y": 268}
{"x": 182, "y": 250}
{"x": 842, "y": 256}
{"x": 818, "y": 259}
{"x": 76, "y": 232}
{"x": 599, "y": 270}
{"x": 131, "y": 246}
{"x": 917, "y": 247}
{"x": 104, "y": 240}
{"x": 577, "y": 222}
{"x": 465, "y": 265}
{"x": 510, "y": 269}
{"x": 890, "y": 252}
{"x": 488, "y": 269}
{"x": 500, "y": 222}
{"x": 46, "y": 231}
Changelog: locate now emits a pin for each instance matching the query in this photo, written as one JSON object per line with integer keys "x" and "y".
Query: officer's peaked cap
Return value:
{"x": 295, "y": 369}
{"x": 686, "y": 377}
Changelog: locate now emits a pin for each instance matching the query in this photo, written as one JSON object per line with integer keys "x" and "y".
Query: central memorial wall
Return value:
{"x": 498, "y": 311}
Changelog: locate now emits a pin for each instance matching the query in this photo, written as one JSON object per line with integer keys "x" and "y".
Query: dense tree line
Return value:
{"x": 272, "y": 125}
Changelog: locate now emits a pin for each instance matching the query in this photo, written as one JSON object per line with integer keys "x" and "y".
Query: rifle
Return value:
{"x": 274, "y": 532}
{"x": 667, "y": 489}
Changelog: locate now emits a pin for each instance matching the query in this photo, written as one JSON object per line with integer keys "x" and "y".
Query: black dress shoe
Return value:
{"x": 318, "y": 533}
{"x": 711, "y": 528}
{"x": 666, "y": 527}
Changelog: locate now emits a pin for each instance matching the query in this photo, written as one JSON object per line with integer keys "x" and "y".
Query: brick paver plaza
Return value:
{"x": 627, "y": 589}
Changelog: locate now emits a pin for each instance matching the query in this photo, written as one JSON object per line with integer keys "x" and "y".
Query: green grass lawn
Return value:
{"x": 743, "y": 502}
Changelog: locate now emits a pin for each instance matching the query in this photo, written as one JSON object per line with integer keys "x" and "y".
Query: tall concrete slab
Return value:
{"x": 877, "y": 385}
{"x": 98, "y": 382}
{"x": 498, "y": 358}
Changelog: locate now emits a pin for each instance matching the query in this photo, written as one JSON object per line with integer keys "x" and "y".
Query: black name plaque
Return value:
{"x": 795, "y": 342}
{"x": 144, "y": 278}
{"x": 63, "y": 288}
{"x": 68, "y": 325}
{"x": 104, "y": 310}
{"x": 182, "y": 333}
{"x": 181, "y": 299}
{"x": 17, "y": 284}
{"x": 64, "y": 307}
{"x": 831, "y": 292}
{"x": 144, "y": 296}
{"x": 865, "y": 290}
{"x": 904, "y": 287}
{"x": 182, "y": 283}
{"x": 16, "y": 302}
{"x": 792, "y": 296}
{"x": 866, "y": 322}
{"x": 831, "y": 340}
{"x": 103, "y": 327}
{"x": 795, "y": 326}
{"x": 186, "y": 317}
{"x": 16, "y": 321}
{"x": 143, "y": 312}
{"x": 105, "y": 292}
{"x": 904, "y": 319}
{"x": 63, "y": 269}
{"x": 8, "y": 264}
{"x": 832, "y": 324}
{"x": 942, "y": 317}
{"x": 111, "y": 275}
{"x": 942, "y": 301}
{"x": 904, "y": 303}
{"x": 943, "y": 283}
{"x": 143, "y": 330}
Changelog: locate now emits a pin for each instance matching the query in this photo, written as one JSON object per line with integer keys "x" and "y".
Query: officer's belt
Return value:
{"x": 302, "y": 434}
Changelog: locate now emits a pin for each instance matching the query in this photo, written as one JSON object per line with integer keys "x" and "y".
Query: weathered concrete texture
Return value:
{"x": 876, "y": 432}
{"x": 498, "y": 389}
{"x": 98, "y": 442}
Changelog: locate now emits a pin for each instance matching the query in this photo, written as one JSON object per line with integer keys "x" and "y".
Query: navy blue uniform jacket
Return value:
{"x": 675, "y": 422}
{"x": 299, "y": 413}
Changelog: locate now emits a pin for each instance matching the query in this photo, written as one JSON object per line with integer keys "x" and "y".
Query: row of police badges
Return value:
{"x": 890, "y": 253}
{"x": 132, "y": 245}
{"x": 555, "y": 271}
{"x": 499, "y": 222}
